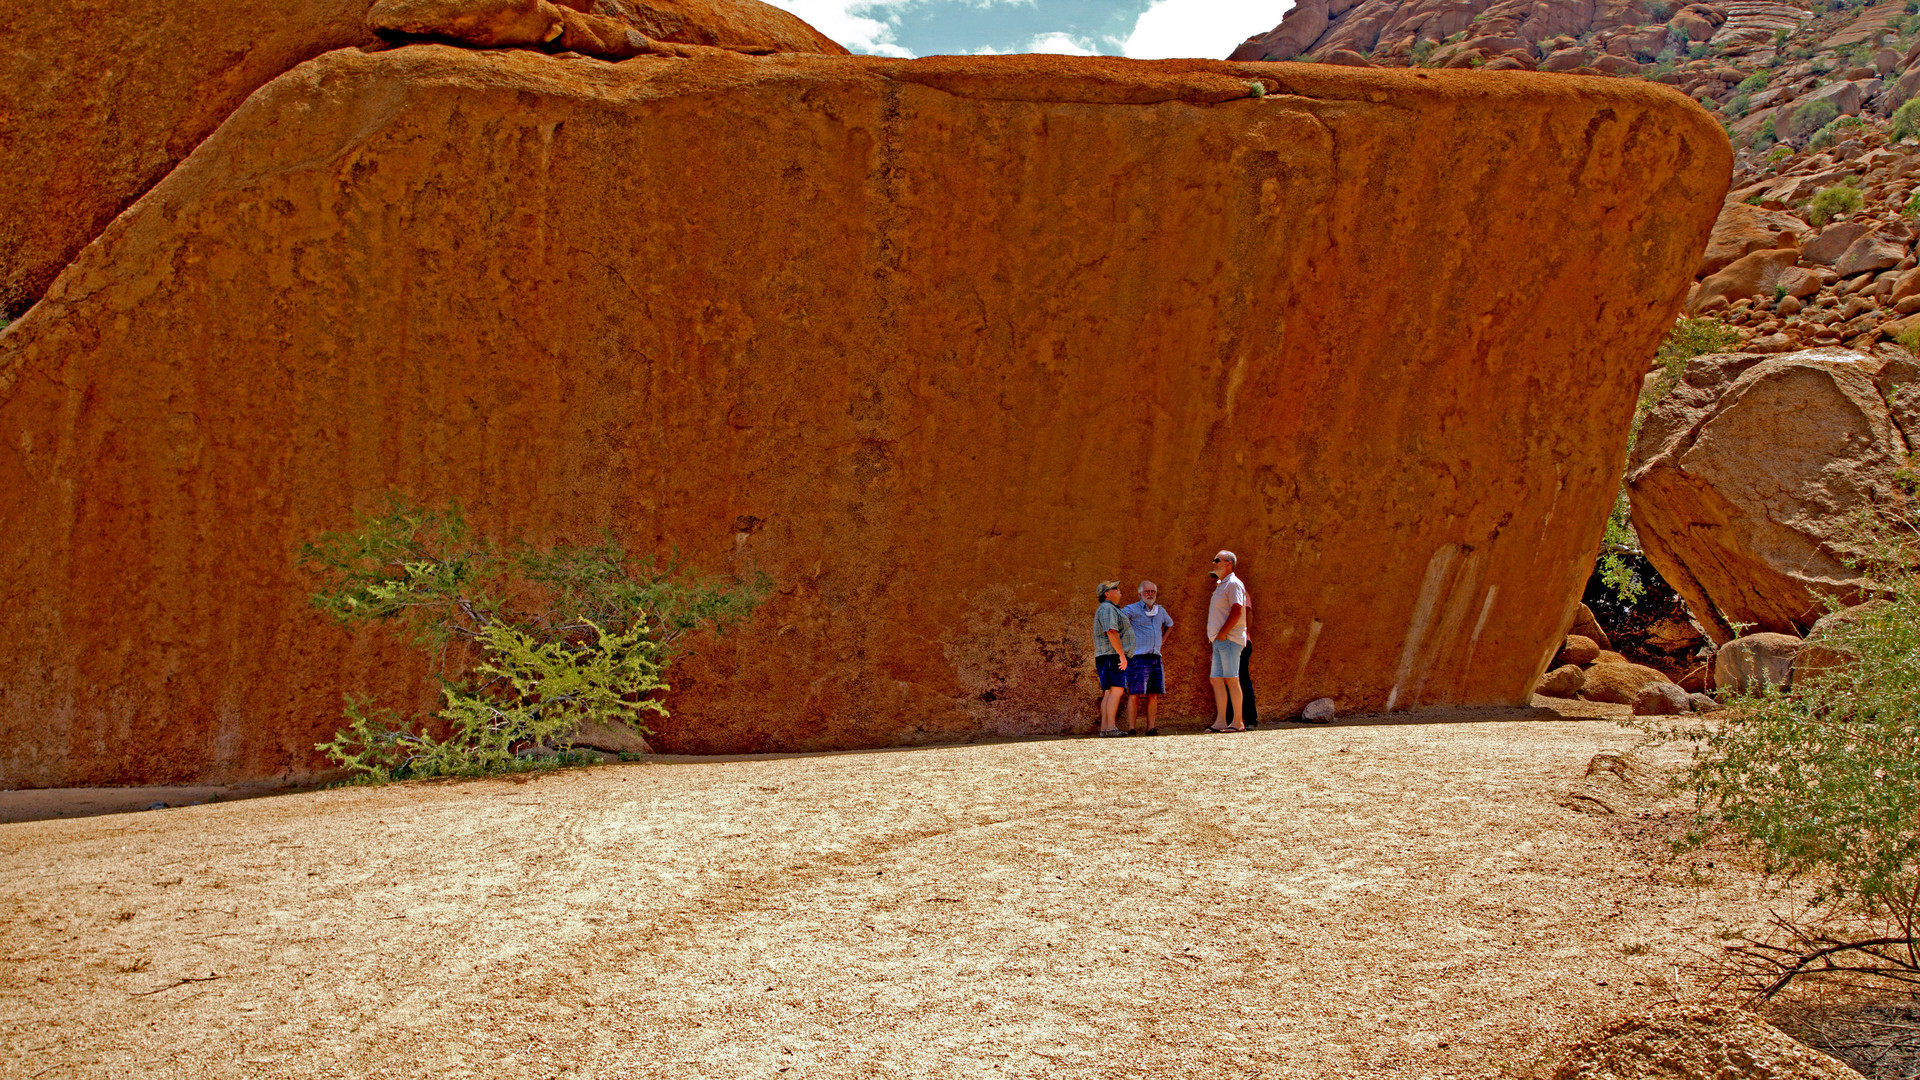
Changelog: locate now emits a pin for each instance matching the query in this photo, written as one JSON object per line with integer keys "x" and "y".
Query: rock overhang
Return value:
{"x": 899, "y": 307}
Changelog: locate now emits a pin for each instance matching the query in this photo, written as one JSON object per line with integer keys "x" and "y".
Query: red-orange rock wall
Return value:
{"x": 936, "y": 344}
{"x": 99, "y": 99}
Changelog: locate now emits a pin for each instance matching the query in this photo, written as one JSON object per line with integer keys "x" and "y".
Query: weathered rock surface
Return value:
{"x": 1743, "y": 229}
{"x": 1565, "y": 681}
{"x": 1745, "y": 476}
{"x": 853, "y": 322}
{"x": 1661, "y": 699}
{"x": 1825, "y": 648}
{"x": 1586, "y": 626}
{"x": 1696, "y": 1041}
{"x": 1750, "y": 663}
{"x": 1619, "y": 682}
{"x": 98, "y": 103}
{"x": 1578, "y": 650}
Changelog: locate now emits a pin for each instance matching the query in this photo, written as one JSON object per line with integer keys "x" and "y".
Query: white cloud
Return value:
{"x": 1062, "y": 42}
{"x": 837, "y": 19}
{"x": 1206, "y": 28}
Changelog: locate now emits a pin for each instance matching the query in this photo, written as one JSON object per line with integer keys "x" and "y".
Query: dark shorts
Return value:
{"x": 1144, "y": 675}
{"x": 1111, "y": 677}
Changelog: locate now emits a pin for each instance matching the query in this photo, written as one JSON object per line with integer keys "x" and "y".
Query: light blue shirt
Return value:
{"x": 1147, "y": 626}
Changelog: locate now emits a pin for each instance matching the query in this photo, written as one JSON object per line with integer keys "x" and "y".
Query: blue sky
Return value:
{"x": 1145, "y": 29}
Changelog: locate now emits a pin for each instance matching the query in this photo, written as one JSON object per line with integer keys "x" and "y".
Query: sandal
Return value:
{"x": 1116, "y": 733}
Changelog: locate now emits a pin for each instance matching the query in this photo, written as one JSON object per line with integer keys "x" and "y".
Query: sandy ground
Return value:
{"x": 1377, "y": 900}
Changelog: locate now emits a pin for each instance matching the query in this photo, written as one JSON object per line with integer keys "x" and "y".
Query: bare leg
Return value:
{"x": 1153, "y": 711}
{"x": 1133, "y": 702}
{"x": 1219, "y": 702}
{"x": 1233, "y": 689}
{"x": 1110, "y": 706}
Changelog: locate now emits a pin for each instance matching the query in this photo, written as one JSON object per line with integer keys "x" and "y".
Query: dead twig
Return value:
{"x": 182, "y": 982}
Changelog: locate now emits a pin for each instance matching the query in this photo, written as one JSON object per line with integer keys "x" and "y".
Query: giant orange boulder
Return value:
{"x": 97, "y": 103}
{"x": 935, "y": 344}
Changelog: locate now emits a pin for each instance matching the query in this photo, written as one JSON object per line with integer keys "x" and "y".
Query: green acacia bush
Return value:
{"x": 1830, "y": 202}
{"x": 1824, "y": 779}
{"x": 528, "y": 642}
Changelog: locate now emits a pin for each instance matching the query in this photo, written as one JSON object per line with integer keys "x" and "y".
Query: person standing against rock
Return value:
{"x": 1145, "y": 677}
{"x": 1112, "y": 643}
{"x": 1227, "y": 630}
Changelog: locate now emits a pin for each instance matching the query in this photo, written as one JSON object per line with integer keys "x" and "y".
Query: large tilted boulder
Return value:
{"x": 880, "y": 329}
{"x": 1745, "y": 478}
{"x": 98, "y": 103}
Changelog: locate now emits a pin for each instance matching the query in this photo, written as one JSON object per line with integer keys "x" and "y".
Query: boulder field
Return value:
{"x": 99, "y": 101}
{"x": 934, "y": 344}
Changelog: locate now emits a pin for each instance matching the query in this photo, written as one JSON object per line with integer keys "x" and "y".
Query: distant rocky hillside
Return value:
{"x": 1815, "y": 245}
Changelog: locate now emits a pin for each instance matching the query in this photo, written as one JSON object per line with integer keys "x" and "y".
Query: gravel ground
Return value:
{"x": 1388, "y": 899}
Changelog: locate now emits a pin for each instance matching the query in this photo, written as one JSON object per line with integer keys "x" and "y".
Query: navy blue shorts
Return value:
{"x": 1144, "y": 675}
{"x": 1111, "y": 677}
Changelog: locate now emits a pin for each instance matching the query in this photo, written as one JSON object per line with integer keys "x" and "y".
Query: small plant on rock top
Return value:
{"x": 529, "y": 642}
{"x": 1754, "y": 82}
{"x": 1765, "y": 136}
{"x": 1909, "y": 339}
{"x": 1912, "y": 206}
{"x": 1836, "y": 131}
{"x": 1906, "y": 120}
{"x": 1737, "y": 105}
{"x": 1830, "y": 202}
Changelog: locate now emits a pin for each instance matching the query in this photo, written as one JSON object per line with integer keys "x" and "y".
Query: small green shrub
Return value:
{"x": 1699, "y": 50}
{"x": 1906, "y": 120}
{"x": 1828, "y": 203}
{"x": 1838, "y": 131}
{"x": 1754, "y": 82}
{"x": 1779, "y": 154}
{"x": 1765, "y": 136}
{"x": 529, "y": 642}
{"x": 1909, "y": 339}
{"x": 1256, "y": 89}
{"x": 1912, "y": 207}
{"x": 1780, "y": 38}
{"x": 1737, "y": 105}
{"x": 1815, "y": 115}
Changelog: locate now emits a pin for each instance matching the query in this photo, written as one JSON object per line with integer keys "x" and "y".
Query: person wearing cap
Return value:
{"x": 1227, "y": 630}
{"x": 1145, "y": 677}
{"x": 1112, "y": 644}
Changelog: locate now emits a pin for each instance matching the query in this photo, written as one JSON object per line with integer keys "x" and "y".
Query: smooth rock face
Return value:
{"x": 924, "y": 341}
{"x": 1696, "y": 1041}
{"x": 1748, "y": 664}
{"x": 96, "y": 105}
{"x": 1745, "y": 476}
